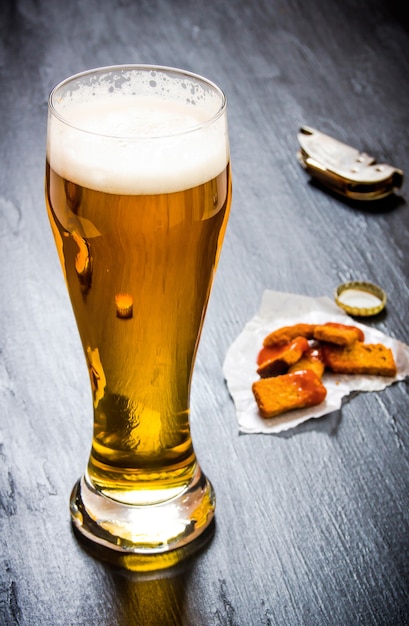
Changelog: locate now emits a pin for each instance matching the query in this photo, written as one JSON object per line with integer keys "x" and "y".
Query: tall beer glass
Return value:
{"x": 138, "y": 192}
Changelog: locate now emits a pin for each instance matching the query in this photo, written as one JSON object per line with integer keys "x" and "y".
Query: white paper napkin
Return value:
{"x": 284, "y": 309}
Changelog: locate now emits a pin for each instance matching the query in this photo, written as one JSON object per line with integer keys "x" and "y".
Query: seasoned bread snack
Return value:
{"x": 360, "y": 358}
{"x": 310, "y": 360}
{"x": 276, "y": 360}
{"x": 340, "y": 334}
{"x": 286, "y": 334}
{"x": 287, "y": 392}
{"x": 294, "y": 358}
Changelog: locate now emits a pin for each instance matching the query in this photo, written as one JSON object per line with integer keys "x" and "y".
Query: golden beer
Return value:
{"x": 138, "y": 193}
{"x": 161, "y": 251}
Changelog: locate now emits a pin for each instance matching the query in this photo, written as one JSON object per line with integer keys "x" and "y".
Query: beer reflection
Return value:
{"x": 150, "y": 589}
{"x": 96, "y": 374}
{"x": 124, "y": 305}
{"x": 83, "y": 262}
{"x": 73, "y": 195}
{"x": 152, "y": 602}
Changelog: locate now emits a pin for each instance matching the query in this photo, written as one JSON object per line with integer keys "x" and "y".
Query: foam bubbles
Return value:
{"x": 131, "y": 144}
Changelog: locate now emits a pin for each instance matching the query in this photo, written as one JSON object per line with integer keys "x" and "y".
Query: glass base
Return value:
{"x": 147, "y": 529}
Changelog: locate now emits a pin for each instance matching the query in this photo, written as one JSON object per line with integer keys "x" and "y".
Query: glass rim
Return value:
{"x": 145, "y": 67}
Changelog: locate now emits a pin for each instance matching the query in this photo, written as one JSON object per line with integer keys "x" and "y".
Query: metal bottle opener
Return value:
{"x": 345, "y": 169}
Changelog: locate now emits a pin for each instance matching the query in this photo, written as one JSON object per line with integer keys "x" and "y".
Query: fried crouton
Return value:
{"x": 287, "y": 392}
{"x": 276, "y": 360}
{"x": 310, "y": 360}
{"x": 340, "y": 334}
{"x": 360, "y": 358}
{"x": 286, "y": 334}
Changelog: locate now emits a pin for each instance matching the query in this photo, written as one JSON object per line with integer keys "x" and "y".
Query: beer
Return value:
{"x": 138, "y": 223}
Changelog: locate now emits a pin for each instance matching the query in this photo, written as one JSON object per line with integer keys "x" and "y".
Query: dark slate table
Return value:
{"x": 312, "y": 526}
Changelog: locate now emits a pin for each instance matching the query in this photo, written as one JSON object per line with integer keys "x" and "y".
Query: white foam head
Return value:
{"x": 137, "y": 132}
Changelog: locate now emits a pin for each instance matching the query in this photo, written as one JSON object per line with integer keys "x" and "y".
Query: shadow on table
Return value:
{"x": 327, "y": 424}
{"x": 375, "y": 207}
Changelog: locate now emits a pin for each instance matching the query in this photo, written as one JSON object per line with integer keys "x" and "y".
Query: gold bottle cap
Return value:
{"x": 360, "y": 299}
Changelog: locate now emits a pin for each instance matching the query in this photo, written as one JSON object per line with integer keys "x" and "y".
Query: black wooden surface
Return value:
{"x": 312, "y": 527}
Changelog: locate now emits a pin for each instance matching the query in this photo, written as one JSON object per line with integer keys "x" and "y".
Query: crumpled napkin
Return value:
{"x": 284, "y": 309}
